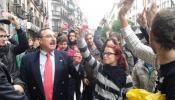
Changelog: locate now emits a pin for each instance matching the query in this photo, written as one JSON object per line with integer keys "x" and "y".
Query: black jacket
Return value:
{"x": 9, "y": 52}
{"x": 7, "y": 91}
{"x": 166, "y": 80}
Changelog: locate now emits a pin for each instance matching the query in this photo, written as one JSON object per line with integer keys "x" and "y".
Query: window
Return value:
{"x": 55, "y": 24}
{"x": 55, "y": 10}
{"x": 55, "y": 7}
{"x": 55, "y": 13}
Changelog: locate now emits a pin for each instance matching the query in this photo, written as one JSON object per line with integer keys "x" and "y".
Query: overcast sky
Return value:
{"x": 95, "y": 10}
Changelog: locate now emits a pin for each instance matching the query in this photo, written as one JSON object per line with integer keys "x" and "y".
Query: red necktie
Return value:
{"x": 48, "y": 82}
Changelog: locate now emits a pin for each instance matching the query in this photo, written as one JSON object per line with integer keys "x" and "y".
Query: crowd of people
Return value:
{"x": 55, "y": 66}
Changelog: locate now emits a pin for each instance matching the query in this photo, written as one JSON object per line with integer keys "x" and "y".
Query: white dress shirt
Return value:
{"x": 42, "y": 62}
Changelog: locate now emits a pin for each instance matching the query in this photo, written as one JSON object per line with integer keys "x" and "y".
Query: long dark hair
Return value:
{"x": 71, "y": 43}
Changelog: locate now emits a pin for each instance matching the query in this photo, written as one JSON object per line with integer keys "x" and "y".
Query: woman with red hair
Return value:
{"x": 112, "y": 81}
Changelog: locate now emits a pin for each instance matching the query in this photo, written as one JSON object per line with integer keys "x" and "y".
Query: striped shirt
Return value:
{"x": 106, "y": 88}
{"x": 140, "y": 50}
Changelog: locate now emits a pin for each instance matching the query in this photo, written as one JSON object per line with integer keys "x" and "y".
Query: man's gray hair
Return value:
{"x": 163, "y": 28}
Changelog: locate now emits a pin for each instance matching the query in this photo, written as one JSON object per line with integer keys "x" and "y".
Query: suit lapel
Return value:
{"x": 37, "y": 74}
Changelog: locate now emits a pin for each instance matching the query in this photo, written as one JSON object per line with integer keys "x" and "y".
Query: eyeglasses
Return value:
{"x": 49, "y": 36}
{"x": 4, "y": 36}
{"x": 108, "y": 53}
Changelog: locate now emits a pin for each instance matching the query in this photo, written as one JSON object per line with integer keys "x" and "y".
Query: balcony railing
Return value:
{"x": 37, "y": 2}
{"x": 57, "y": 0}
{"x": 56, "y": 13}
{"x": 42, "y": 6}
{"x": 20, "y": 12}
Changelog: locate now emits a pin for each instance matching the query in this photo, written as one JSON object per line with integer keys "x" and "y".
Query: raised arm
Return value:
{"x": 97, "y": 38}
{"x": 97, "y": 35}
{"x": 23, "y": 43}
{"x": 140, "y": 50}
{"x": 85, "y": 51}
{"x": 142, "y": 21}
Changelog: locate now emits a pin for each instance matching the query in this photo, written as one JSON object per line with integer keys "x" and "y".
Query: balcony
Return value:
{"x": 56, "y": 13}
{"x": 64, "y": 5}
{"x": 37, "y": 2}
{"x": 19, "y": 12}
{"x": 71, "y": 10}
{"x": 57, "y": 0}
{"x": 17, "y": 2}
{"x": 55, "y": 28}
{"x": 42, "y": 6}
{"x": 37, "y": 22}
{"x": 68, "y": 20}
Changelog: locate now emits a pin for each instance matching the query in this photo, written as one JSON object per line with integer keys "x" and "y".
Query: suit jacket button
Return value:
{"x": 34, "y": 88}
{"x": 62, "y": 82}
{"x": 70, "y": 76}
{"x": 61, "y": 93}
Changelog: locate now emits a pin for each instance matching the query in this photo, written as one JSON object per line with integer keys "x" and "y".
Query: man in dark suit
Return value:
{"x": 7, "y": 90}
{"x": 34, "y": 67}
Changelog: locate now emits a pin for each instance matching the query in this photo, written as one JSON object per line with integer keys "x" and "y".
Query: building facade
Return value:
{"x": 36, "y": 14}
{"x": 165, "y": 3}
{"x": 113, "y": 14}
{"x": 32, "y": 13}
{"x": 139, "y": 6}
{"x": 63, "y": 12}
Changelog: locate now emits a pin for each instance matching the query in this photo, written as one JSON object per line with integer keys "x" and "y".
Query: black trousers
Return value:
{"x": 74, "y": 87}
{"x": 88, "y": 92}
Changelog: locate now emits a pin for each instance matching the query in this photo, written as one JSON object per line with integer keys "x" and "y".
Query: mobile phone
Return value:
{"x": 71, "y": 53}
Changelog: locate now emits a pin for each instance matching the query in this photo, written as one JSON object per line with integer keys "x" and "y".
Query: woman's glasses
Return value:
{"x": 108, "y": 53}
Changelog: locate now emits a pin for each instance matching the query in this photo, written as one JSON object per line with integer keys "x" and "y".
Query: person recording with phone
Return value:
{"x": 9, "y": 51}
{"x": 75, "y": 84}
